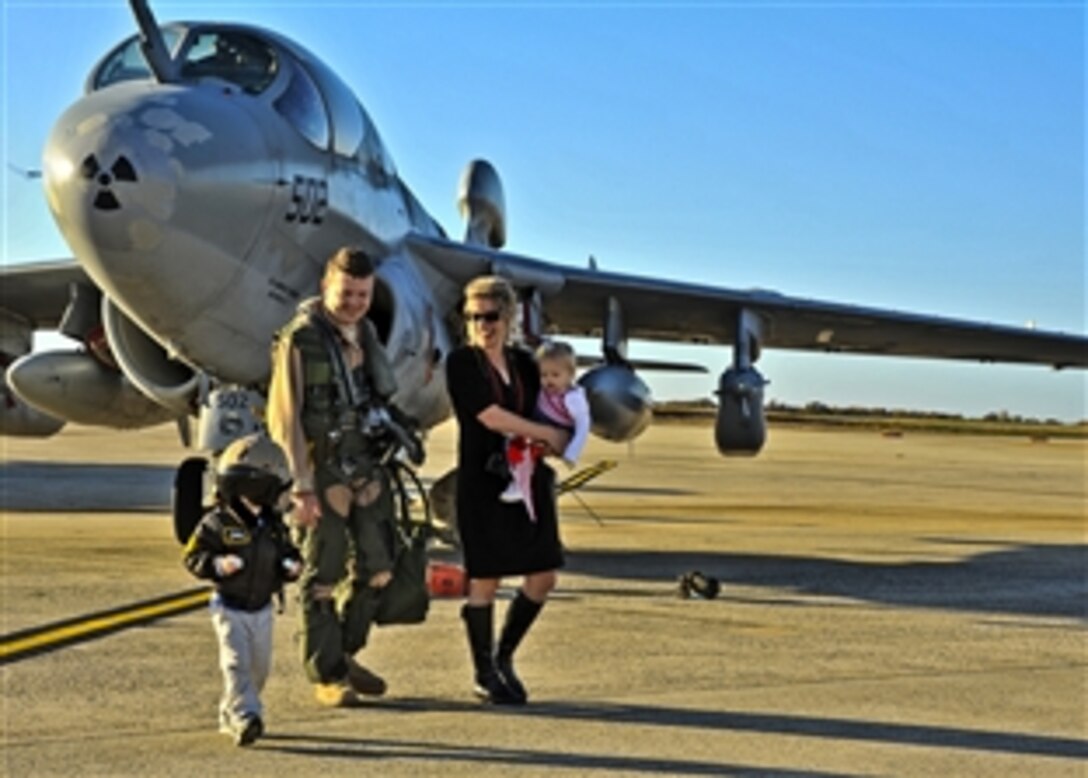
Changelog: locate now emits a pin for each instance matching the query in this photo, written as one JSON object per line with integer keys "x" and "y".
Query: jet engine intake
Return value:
{"x": 146, "y": 364}
{"x": 619, "y": 402}
{"x": 482, "y": 204}
{"x": 741, "y": 428}
{"x": 415, "y": 340}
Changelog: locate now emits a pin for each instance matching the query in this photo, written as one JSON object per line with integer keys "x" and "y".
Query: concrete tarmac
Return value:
{"x": 890, "y": 606}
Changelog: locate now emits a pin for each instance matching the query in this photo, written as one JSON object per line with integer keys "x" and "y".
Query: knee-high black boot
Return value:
{"x": 489, "y": 684}
{"x": 519, "y": 617}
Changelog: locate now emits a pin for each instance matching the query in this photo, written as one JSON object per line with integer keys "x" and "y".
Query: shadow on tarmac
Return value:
{"x": 372, "y": 749}
{"x": 85, "y": 487}
{"x": 643, "y": 715}
{"x": 93, "y": 487}
{"x": 1030, "y": 580}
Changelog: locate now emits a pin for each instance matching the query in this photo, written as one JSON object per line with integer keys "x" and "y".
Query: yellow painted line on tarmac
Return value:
{"x": 47, "y": 637}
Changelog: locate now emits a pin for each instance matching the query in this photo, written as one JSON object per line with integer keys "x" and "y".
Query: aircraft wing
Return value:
{"x": 575, "y": 301}
{"x": 38, "y": 292}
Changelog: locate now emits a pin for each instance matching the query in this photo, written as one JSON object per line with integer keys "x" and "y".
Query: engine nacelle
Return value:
{"x": 415, "y": 339}
{"x": 741, "y": 428}
{"x": 146, "y": 364}
{"x": 483, "y": 206}
{"x": 619, "y": 402}
{"x": 74, "y": 386}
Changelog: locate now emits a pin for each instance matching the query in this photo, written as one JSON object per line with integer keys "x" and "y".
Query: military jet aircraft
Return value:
{"x": 211, "y": 168}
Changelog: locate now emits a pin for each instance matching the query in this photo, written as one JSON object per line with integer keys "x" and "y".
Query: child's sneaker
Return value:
{"x": 250, "y": 728}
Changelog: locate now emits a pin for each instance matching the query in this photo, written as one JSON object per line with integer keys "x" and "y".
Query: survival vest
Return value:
{"x": 332, "y": 425}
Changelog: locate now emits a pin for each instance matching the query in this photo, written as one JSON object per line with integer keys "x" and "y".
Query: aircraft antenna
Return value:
{"x": 27, "y": 173}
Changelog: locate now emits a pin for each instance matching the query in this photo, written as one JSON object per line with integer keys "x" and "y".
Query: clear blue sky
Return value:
{"x": 911, "y": 155}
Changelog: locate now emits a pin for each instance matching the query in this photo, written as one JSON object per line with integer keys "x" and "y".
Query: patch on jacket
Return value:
{"x": 236, "y": 536}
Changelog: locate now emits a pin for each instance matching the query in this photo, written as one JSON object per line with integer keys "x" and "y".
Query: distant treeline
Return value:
{"x": 889, "y": 419}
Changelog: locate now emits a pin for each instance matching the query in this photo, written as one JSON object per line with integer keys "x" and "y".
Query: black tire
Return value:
{"x": 188, "y": 497}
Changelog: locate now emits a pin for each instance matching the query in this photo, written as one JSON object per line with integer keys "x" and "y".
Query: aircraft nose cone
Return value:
{"x": 109, "y": 176}
{"x": 158, "y": 187}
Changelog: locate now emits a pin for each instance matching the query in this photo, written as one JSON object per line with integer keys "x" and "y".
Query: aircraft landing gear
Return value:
{"x": 188, "y": 497}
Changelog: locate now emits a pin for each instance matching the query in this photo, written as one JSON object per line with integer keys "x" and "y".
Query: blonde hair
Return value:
{"x": 496, "y": 289}
{"x": 559, "y": 351}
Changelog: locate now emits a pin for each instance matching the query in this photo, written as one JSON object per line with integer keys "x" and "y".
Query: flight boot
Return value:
{"x": 364, "y": 681}
{"x": 337, "y": 694}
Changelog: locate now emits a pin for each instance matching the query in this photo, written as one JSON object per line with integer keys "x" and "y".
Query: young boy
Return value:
{"x": 561, "y": 402}
{"x": 242, "y": 545}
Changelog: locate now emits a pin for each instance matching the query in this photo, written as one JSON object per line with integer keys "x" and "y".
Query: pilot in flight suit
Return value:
{"x": 328, "y": 368}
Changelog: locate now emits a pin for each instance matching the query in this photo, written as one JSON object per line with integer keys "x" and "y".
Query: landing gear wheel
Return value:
{"x": 188, "y": 498}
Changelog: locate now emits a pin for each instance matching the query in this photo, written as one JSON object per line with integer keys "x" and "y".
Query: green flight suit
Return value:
{"x": 354, "y": 538}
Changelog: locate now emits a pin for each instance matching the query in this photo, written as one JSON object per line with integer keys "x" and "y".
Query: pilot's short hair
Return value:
{"x": 350, "y": 260}
{"x": 558, "y": 351}
{"x": 496, "y": 289}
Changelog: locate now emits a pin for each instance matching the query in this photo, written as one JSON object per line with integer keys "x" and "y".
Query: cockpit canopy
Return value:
{"x": 127, "y": 62}
{"x": 231, "y": 55}
{"x": 298, "y": 85}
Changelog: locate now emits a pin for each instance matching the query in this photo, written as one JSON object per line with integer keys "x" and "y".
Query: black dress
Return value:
{"x": 497, "y": 537}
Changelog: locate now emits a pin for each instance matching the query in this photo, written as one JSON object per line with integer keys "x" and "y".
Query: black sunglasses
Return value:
{"x": 489, "y": 316}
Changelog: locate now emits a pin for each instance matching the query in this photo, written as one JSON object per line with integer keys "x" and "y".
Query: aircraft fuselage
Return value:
{"x": 205, "y": 207}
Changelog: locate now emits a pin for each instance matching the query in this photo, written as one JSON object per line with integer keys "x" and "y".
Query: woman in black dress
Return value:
{"x": 493, "y": 388}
